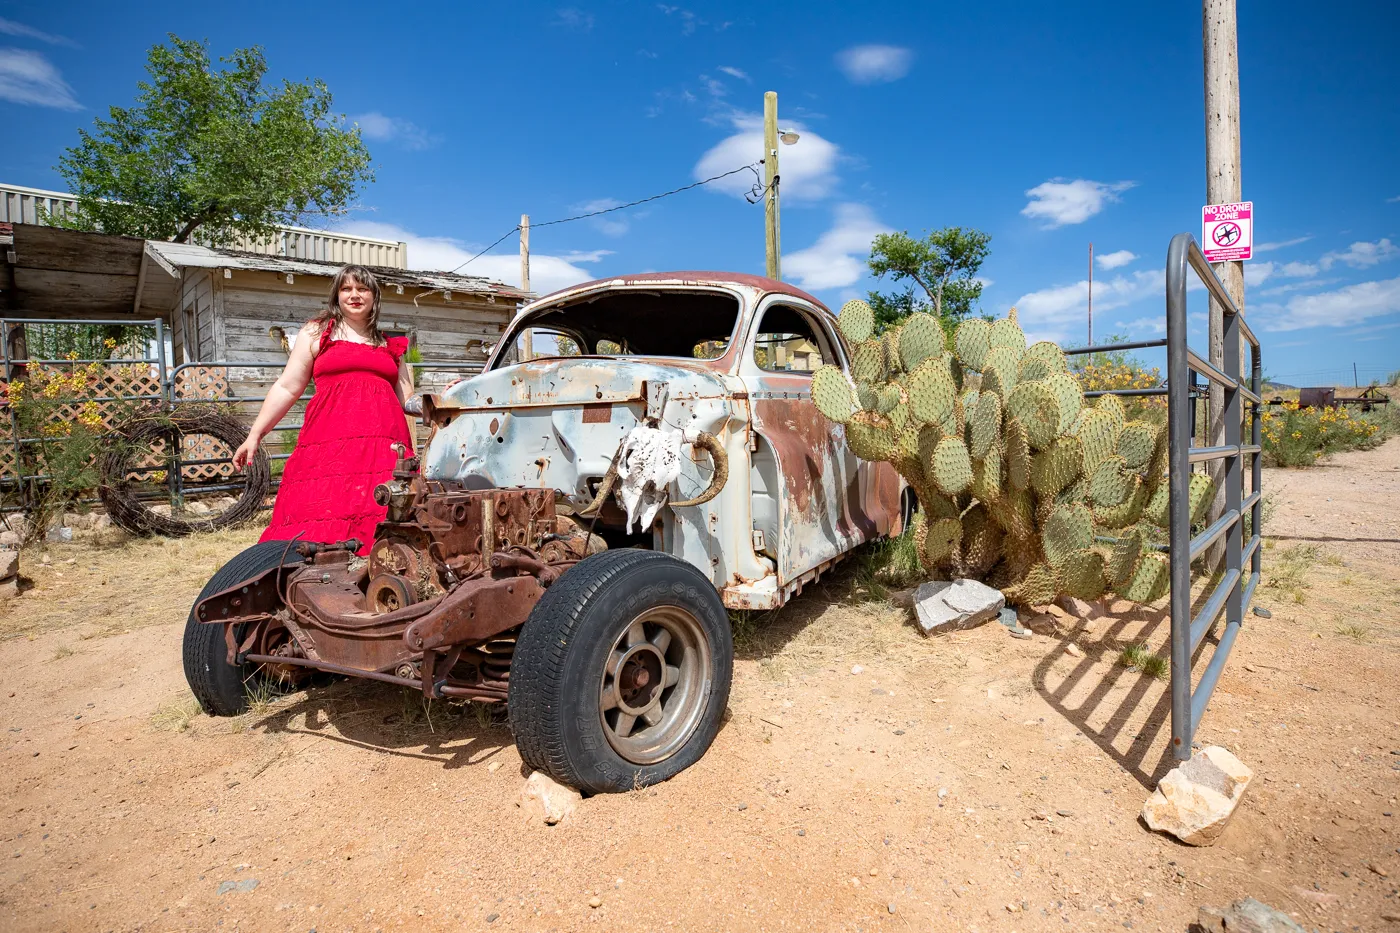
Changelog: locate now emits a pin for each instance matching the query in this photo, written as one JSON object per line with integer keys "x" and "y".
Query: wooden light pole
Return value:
{"x": 1223, "y": 186}
{"x": 770, "y": 180}
{"x": 527, "y": 343}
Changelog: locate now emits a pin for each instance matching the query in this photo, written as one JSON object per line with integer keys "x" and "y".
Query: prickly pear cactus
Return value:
{"x": 1021, "y": 481}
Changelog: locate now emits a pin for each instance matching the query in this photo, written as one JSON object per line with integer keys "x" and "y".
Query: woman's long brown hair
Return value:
{"x": 331, "y": 318}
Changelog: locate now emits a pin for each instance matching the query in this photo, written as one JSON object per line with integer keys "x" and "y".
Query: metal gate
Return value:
{"x": 1234, "y": 588}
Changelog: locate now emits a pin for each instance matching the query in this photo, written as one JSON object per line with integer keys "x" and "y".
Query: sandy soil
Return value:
{"x": 972, "y": 782}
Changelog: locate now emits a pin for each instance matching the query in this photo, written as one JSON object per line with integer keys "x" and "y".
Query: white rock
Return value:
{"x": 547, "y": 799}
{"x": 856, "y": 668}
{"x": 1246, "y": 916}
{"x": 1073, "y": 650}
{"x": 9, "y": 563}
{"x": 939, "y": 604}
{"x": 9, "y": 589}
{"x": 58, "y": 535}
{"x": 10, "y": 539}
{"x": 1196, "y": 799}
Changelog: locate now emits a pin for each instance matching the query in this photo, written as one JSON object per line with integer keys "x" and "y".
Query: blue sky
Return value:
{"x": 1048, "y": 125}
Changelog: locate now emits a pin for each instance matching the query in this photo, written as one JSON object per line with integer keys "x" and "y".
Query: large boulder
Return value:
{"x": 1196, "y": 799}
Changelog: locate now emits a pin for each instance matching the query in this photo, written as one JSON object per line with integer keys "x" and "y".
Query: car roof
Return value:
{"x": 759, "y": 282}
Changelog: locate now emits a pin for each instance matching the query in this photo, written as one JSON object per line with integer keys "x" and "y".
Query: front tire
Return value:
{"x": 621, "y": 674}
{"x": 220, "y": 687}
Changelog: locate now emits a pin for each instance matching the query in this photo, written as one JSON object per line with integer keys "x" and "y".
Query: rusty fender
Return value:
{"x": 254, "y": 598}
{"x": 475, "y": 611}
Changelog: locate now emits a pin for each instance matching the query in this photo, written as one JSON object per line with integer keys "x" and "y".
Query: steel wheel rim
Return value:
{"x": 645, "y": 724}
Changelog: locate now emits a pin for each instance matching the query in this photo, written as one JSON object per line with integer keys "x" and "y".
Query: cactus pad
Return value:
{"x": 1151, "y": 579}
{"x": 856, "y": 320}
{"x": 831, "y": 393}
{"x": 988, "y": 475}
{"x": 1018, "y": 454}
{"x": 870, "y": 436}
{"x": 1069, "y": 397}
{"x": 1049, "y": 353}
{"x": 981, "y": 542}
{"x": 1130, "y": 511}
{"x": 939, "y": 541}
{"x": 1039, "y": 586}
{"x": 973, "y": 339}
{"x": 1157, "y": 511}
{"x": 1114, "y": 406}
{"x": 984, "y": 423}
{"x": 889, "y": 346}
{"x": 931, "y": 392}
{"x": 1082, "y": 574}
{"x": 1004, "y": 361}
{"x": 1069, "y": 528}
{"x": 1007, "y": 333}
{"x": 1137, "y": 443}
{"x": 1122, "y": 561}
{"x": 868, "y": 362}
{"x": 951, "y": 468}
{"x": 1035, "y": 406}
{"x": 920, "y": 338}
{"x": 888, "y": 397}
{"x": 1200, "y": 494}
{"x": 1099, "y": 435}
{"x": 1057, "y": 466}
{"x": 1111, "y": 483}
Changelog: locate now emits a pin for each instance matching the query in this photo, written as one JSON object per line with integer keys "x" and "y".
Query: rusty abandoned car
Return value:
{"x": 506, "y": 571}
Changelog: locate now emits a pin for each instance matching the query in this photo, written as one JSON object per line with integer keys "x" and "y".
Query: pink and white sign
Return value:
{"x": 1227, "y": 231}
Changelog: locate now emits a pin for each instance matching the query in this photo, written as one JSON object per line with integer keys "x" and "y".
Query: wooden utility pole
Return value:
{"x": 1223, "y": 186}
{"x": 770, "y": 180}
{"x": 527, "y": 344}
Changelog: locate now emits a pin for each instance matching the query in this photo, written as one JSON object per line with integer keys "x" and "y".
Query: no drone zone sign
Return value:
{"x": 1227, "y": 231}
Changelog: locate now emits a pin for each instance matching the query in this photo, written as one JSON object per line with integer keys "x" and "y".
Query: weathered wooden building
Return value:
{"x": 233, "y": 306}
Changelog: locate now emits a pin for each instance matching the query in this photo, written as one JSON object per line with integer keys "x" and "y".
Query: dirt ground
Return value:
{"x": 970, "y": 782}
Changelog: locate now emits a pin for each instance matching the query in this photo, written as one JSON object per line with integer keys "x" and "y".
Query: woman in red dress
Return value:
{"x": 345, "y": 448}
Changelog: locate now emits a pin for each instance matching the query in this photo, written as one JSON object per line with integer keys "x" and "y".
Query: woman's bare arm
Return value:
{"x": 283, "y": 394}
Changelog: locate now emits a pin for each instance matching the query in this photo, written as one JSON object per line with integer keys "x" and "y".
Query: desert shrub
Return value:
{"x": 1296, "y": 437}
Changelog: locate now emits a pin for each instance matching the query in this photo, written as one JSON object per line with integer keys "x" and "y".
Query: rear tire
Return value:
{"x": 220, "y": 687}
{"x": 621, "y": 674}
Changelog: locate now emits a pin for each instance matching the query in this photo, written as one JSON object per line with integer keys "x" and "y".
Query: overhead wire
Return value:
{"x": 751, "y": 167}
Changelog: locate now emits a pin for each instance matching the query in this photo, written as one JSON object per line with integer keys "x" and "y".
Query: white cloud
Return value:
{"x": 440, "y": 254}
{"x": 1115, "y": 260}
{"x": 808, "y": 169}
{"x": 1061, "y": 312}
{"x": 1298, "y": 270}
{"x": 375, "y": 125}
{"x": 11, "y": 28}
{"x": 1393, "y": 200}
{"x": 1145, "y": 325}
{"x": 1350, "y": 304}
{"x": 874, "y": 64}
{"x": 574, "y": 18}
{"x": 1298, "y": 287}
{"x": 1361, "y": 255}
{"x": 1254, "y": 273}
{"x": 837, "y": 259}
{"x": 734, "y": 72}
{"x": 28, "y": 78}
{"x": 1282, "y": 244}
{"x": 609, "y": 224}
{"x": 1061, "y": 202}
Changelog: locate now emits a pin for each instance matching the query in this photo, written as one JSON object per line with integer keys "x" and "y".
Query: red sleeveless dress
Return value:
{"x": 344, "y": 449}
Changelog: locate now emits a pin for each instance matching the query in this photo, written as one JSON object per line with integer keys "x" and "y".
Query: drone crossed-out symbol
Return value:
{"x": 1225, "y": 234}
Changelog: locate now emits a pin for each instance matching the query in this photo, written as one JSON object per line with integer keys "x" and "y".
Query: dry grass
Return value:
{"x": 61, "y": 652}
{"x": 1354, "y": 630}
{"x": 117, "y": 583}
{"x": 177, "y": 715}
{"x": 1292, "y": 570}
{"x": 1141, "y": 658}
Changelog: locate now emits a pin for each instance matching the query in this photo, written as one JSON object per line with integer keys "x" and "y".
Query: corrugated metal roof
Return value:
{"x": 189, "y": 255}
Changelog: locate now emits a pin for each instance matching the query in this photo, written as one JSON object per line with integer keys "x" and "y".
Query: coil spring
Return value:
{"x": 496, "y": 657}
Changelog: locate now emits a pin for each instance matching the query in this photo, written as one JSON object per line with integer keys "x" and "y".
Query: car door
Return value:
{"x": 813, "y": 500}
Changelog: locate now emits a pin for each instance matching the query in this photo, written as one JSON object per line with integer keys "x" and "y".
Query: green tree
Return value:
{"x": 943, "y": 266}
{"x": 214, "y": 151}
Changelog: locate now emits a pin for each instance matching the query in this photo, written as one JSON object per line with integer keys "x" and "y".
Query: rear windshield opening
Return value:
{"x": 690, "y": 324}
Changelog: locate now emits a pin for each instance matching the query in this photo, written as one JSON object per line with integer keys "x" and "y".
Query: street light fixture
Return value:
{"x": 788, "y": 137}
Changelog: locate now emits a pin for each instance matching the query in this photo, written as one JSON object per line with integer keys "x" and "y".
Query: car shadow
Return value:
{"x": 392, "y": 720}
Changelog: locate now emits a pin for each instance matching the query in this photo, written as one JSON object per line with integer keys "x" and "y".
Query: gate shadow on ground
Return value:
{"x": 1136, "y": 711}
{"x": 389, "y": 719}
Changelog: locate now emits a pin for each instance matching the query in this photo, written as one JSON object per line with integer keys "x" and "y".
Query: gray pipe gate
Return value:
{"x": 1234, "y": 591}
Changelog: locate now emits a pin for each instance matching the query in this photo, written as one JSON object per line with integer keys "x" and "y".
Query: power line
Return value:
{"x": 752, "y": 167}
